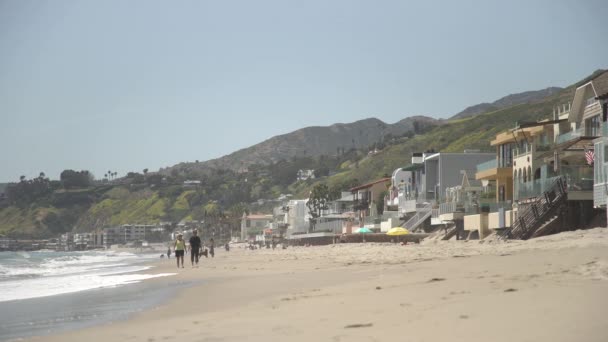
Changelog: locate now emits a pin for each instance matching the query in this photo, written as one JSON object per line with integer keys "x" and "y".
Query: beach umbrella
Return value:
{"x": 363, "y": 230}
{"x": 397, "y": 231}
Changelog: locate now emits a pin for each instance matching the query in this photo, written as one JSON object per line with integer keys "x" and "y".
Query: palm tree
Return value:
{"x": 42, "y": 175}
{"x": 22, "y": 178}
{"x": 109, "y": 172}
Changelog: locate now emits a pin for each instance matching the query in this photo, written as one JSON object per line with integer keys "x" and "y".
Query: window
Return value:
{"x": 505, "y": 155}
{"x": 592, "y": 126}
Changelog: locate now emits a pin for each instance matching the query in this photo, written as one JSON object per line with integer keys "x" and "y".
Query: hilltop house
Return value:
{"x": 303, "y": 175}
{"x": 192, "y": 183}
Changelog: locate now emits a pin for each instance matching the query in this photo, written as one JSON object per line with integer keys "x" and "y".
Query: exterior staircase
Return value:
{"x": 537, "y": 217}
{"x": 450, "y": 232}
{"x": 422, "y": 213}
{"x": 550, "y": 226}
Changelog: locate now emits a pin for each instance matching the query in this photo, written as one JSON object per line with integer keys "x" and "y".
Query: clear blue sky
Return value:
{"x": 127, "y": 85}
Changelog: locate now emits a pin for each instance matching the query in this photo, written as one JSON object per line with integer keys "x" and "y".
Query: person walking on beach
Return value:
{"x": 211, "y": 247}
{"x": 169, "y": 252}
{"x": 179, "y": 248}
{"x": 195, "y": 246}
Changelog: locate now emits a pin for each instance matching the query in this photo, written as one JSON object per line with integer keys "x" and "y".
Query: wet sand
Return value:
{"x": 548, "y": 289}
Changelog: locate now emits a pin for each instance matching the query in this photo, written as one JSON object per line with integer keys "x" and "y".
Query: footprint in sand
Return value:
{"x": 359, "y": 325}
{"x": 433, "y": 280}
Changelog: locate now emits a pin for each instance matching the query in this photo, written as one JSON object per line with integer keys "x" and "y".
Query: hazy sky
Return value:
{"x": 126, "y": 85}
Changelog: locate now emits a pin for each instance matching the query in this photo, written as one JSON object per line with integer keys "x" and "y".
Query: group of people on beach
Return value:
{"x": 195, "y": 247}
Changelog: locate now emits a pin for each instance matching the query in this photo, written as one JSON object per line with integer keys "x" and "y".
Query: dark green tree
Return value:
{"x": 317, "y": 202}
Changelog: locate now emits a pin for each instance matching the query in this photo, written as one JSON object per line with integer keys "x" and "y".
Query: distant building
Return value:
{"x": 192, "y": 183}
{"x": 252, "y": 225}
{"x": 297, "y": 217}
{"x": 303, "y": 175}
{"x": 365, "y": 197}
{"x": 129, "y": 233}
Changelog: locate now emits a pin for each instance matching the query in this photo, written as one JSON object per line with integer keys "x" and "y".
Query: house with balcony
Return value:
{"x": 552, "y": 168}
{"x": 515, "y": 166}
{"x": 432, "y": 174}
{"x": 365, "y": 198}
{"x": 401, "y": 186}
{"x": 600, "y": 159}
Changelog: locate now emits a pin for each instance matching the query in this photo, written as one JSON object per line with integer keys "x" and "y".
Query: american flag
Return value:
{"x": 589, "y": 156}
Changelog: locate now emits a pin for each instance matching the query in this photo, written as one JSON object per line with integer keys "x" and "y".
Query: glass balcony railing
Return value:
{"x": 469, "y": 207}
{"x": 490, "y": 164}
{"x": 532, "y": 189}
{"x": 489, "y": 207}
{"x": 578, "y": 178}
{"x": 605, "y": 129}
{"x": 568, "y": 136}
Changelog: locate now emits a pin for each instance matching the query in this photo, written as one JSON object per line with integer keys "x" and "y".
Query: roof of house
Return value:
{"x": 603, "y": 96}
{"x": 369, "y": 185}
{"x": 599, "y": 84}
{"x": 413, "y": 167}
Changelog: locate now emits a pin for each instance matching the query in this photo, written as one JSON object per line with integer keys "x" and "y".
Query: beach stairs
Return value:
{"x": 540, "y": 216}
{"x": 422, "y": 214}
{"x": 451, "y": 232}
{"x": 550, "y": 226}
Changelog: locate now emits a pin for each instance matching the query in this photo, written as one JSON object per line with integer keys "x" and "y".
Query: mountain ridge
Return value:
{"x": 315, "y": 141}
{"x": 507, "y": 101}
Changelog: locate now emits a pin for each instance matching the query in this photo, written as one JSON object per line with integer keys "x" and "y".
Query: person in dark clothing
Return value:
{"x": 195, "y": 246}
{"x": 169, "y": 252}
{"x": 211, "y": 247}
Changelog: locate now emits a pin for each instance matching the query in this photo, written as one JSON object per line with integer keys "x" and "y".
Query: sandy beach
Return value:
{"x": 553, "y": 288}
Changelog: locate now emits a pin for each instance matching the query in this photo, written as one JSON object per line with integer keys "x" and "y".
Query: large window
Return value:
{"x": 505, "y": 155}
{"x": 592, "y": 126}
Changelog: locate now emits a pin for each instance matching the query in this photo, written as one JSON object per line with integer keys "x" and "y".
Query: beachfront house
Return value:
{"x": 553, "y": 168}
{"x": 497, "y": 175}
{"x": 254, "y": 225}
{"x": 297, "y": 217}
{"x": 563, "y": 197}
{"x": 401, "y": 188}
{"x": 365, "y": 198}
{"x": 600, "y": 163}
{"x": 432, "y": 174}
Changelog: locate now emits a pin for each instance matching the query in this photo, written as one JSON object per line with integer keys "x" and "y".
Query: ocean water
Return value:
{"x": 46, "y": 273}
{"x": 47, "y": 292}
